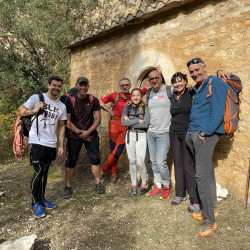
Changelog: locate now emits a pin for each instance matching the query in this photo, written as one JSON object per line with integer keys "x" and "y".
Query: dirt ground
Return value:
{"x": 110, "y": 221}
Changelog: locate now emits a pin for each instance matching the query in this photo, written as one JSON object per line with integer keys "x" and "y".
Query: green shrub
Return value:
{"x": 7, "y": 122}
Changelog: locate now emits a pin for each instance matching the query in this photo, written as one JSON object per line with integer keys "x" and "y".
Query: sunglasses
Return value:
{"x": 155, "y": 78}
{"x": 194, "y": 61}
{"x": 124, "y": 85}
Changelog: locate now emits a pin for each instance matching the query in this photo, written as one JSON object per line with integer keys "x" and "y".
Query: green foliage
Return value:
{"x": 7, "y": 135}
{"x": 33, "y": 34}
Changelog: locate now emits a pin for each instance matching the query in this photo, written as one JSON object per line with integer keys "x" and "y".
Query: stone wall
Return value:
{"x": 217, "y": 31}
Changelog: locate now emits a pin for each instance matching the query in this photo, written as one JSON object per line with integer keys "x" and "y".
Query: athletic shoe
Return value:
{"x": 46, "y": 204}
{"x": 113, "y": 178}
{"x": 194, "y": 208}
{"x": 141, "y": 190}
{"x": 67, "y": 193}
{"x": 208, "y": 228}
{"x": 37, "y": 211}
{"x": 165, "y": 193}
{"x": 177, "y": 200}
{"x": 200, "y": 216}
{"x": 133, "y": 191}
{"x": 155, "y": 191}
{"x": 99, "y": 188}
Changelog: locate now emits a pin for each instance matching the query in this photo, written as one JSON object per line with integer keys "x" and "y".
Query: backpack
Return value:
{"x": 168, "y": 90}
{"x": 71, "y": 95}
{"x": 232, "y": 110}
{"x": 21, "y": 129}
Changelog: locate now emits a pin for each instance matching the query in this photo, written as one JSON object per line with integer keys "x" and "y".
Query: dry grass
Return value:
{"x": 110, "y": 221}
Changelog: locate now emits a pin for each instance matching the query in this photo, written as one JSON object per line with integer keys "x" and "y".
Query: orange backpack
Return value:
{"x": 231, "y": 118}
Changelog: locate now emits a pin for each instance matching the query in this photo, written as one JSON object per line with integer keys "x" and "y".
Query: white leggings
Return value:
{"x": 136, "y": 151}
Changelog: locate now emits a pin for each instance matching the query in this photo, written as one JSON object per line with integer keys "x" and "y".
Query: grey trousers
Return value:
{"x": 205, "y": 177}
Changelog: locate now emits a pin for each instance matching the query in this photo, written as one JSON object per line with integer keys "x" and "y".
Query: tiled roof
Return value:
{"x": 141, "y": 15}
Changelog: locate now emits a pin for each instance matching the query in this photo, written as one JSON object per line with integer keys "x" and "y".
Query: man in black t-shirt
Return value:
{"x": 83, "y": 117}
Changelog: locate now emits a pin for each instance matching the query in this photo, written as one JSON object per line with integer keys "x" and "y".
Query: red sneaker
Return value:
{"x": 154, "y": 192}
{"x": 165, "y": 193}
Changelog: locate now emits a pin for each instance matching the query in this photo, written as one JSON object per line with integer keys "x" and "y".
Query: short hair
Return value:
{"x": 124, "y": 79}
{"x": 153, "y": 69}
{"x": 178, "y": 75}
{"x": 56, "y": 78}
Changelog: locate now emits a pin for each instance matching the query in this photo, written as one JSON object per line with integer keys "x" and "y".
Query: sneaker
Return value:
{"x": 154, "y": 192}
{"x": 208, "y": 228}
{"x": 113, "y": 178}
{"x": 99, "y": 188}
{"x": 200, "y": 216}
{"x": 133, "y": 191}
{"x": 177, "y": 200}
{"x": 37, "y": 211}
{"x": 67, "y": 193}
{"x": 165, "y": 193}
{"x": 46, "y": 204}
{"x": 194, "y": 208}
{"x": 141, "y": 190}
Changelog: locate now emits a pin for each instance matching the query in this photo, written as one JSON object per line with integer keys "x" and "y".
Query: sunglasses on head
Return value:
{"x": 194, "y": 61}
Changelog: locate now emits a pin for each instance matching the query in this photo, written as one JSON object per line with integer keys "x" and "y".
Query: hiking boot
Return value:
{"x": 141, "y": 190}
{"x": 194, "y": 208}
{"x": 208, "y": 228}
{"x": 37, "y": 211}
{"x": 200, "y": 216}
{"x": 67, "y": 193}
{"x": 133, "y": 191}
{"x": 165, "y": 193}
{"x": 113, "y": 178}
{"x": 177, "y": 200}
{"x": 99, "y": 188}
{"x": 46, "y": 204}
{"x": 155, "y": 191}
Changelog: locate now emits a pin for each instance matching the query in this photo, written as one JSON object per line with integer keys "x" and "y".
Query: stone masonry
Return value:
{"x": 217, "y": 31}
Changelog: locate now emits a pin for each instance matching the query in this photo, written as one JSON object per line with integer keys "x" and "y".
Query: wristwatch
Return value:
{"x": 202, "y": 134}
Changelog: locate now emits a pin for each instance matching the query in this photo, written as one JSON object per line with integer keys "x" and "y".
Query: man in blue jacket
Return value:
{"x": 206, "y": 124}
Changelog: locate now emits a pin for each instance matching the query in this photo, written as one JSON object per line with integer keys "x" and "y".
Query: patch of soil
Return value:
{"x": 113, "y": 220}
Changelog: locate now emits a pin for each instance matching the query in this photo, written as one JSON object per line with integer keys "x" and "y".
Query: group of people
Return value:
{"x": 182, "y": 116}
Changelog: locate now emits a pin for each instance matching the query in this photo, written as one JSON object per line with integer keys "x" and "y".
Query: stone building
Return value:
{"x": 170, "y": 33}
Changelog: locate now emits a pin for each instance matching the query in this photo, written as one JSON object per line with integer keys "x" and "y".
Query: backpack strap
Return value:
{"x": 41, "y": 111}
{"x": 209, "y": 88}
{"x": 169, "y": 92}
{"x": 129, "y": 110}
{"x": 72, "y": 100}
{"x": 91, "y": 98}
{"x": 148, "y": 93}
{"x": 116, "y": 99}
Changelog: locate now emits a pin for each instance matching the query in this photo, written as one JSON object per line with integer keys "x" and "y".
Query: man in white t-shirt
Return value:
{"x": 43, "y": 139}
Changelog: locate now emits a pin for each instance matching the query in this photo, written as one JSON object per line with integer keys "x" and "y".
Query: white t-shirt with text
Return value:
{"x": 55, "y": 111}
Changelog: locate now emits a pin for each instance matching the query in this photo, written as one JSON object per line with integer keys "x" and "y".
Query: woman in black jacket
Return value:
{"x": 181, "y": 103}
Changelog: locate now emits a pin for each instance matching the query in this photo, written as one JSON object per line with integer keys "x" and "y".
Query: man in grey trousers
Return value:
{"x": 206, "y": 124}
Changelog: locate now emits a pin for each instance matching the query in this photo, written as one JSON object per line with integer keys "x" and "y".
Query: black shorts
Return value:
{"x": 40, "y": 153}
{"x": 74, "y": 147}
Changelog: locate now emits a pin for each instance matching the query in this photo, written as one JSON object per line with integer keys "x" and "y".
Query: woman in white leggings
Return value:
{"x": 136, "y": 117}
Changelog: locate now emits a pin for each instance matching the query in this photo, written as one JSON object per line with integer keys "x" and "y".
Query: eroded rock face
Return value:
{"x": 24, "y": 243}
{"x": 218, "y": 32}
